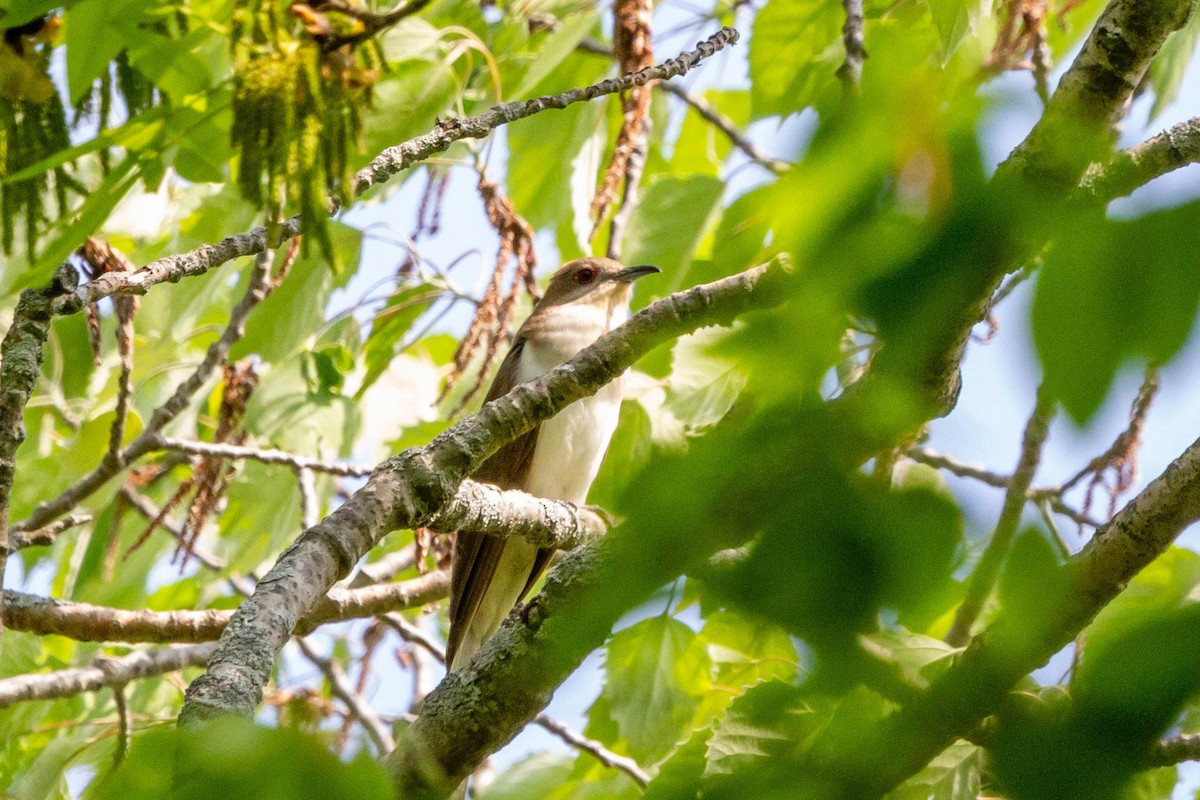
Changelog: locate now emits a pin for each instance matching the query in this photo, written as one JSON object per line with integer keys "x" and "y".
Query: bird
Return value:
{"x": 557, "y": 459}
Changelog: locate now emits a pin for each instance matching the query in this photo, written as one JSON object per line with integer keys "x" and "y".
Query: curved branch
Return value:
{"x": 387, "y": 164}
{"x": 408, "y": 490}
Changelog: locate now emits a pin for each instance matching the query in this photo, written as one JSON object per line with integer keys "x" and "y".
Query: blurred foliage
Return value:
{"x": 164, "y": 126}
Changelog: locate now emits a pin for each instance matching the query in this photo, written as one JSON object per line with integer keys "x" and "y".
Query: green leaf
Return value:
{"x": 232, "y": 757}
{"x": 531, "y": 778}
{"x": 287, "y": 318}
{"x": 952, "y": 18}
{"x": 656, "y": 672}
{"x": 1171, "y": 64}
{"x": 795, "y": 50}
{"x": 1113, "y": 290}
{"x": 391, "y": 326}
{"x": 679, "y": 776}
{"x": 95, "y": 31}
{"x": 953, "y": 775}
{"x": 666, "y": 228}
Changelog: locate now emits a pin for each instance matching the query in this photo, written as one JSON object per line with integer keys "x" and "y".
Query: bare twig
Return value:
{"x": 980, "y": 584}
{"x": 371, "y": 22}
{"x": 46, "y": 535}
{"x": 267, "y": 456}
{"x": 1050, "y": 494}
{"x": 595, "y": 749}
{"x": 725, "y": 125}
{"x": 1121, "y": 456}
{"x": 355, "y": 703}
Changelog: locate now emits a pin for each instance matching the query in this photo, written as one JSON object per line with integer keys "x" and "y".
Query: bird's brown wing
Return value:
{"x": 475, "y": 554}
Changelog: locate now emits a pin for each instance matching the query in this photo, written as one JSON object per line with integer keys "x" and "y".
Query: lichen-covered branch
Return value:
{"x": 1174, "y": 148}
{"x": 483, "y": 508}
{"x": 115, "y": 672}
{"x": 408, "y": 490}
{"x": 390, "y": 162}
{"x": 20, "y": 364}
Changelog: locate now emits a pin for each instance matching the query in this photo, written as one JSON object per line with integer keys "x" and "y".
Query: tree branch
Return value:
{"x": 1174, "y": 148}
{"x": 408, "y": 490}
{"x": 1079, "y": 125}
{"x": 983, "y": 578}
{"x": 856, "y": 52}
{"x": 390, "y": 162}
{"x": 89, "y": 623}
{"x": 115, "y": 672}
{"x": 20, "y": 365}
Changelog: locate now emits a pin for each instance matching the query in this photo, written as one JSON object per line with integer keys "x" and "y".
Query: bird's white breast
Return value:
{"x": 571, "y": 445}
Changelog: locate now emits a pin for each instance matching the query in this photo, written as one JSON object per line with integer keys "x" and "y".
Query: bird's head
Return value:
{"x": 602, "y": 281}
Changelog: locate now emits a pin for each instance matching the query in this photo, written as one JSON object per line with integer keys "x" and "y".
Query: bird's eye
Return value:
{"x": 585, "y": 275}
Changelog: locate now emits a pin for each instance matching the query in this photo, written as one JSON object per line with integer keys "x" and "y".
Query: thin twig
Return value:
{"x": 310, "y": 511}
{"x": 355, "y": 703}
{"x": 1050, "y": 494}
{"x": 595, "y": 749}
{"x": 46, "y": 535}
{"x": 856, "y": 52}
{"x": 983, "y": 578}
{"x": 390, "y": 162}
{"x": 214, "y": 357}
{"x": 372, "y": 23}
{"x": 294, "y": 460}
{"x": 726, "y": 126}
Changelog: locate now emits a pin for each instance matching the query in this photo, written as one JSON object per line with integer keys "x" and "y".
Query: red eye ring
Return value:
{"x": 584, "y": 275}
